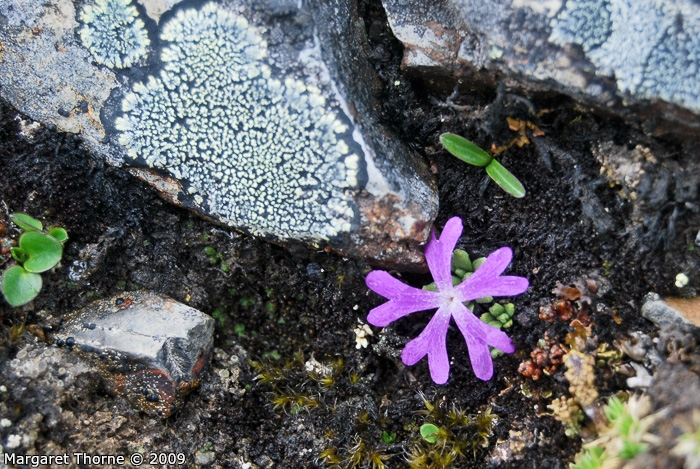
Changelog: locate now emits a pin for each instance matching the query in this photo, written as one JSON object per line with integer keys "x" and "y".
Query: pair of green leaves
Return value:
{"x": 472, "y": 154}
{"x": 38, "y": 251}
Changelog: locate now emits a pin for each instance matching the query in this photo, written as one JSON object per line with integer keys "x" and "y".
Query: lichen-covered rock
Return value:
{"x": 113, "y": 33}
{"x": 614, "y": 54}
{"x": 651, "y": 47}
{"x": 260, "y": 152}
{"x": 47, "y": 74}
{"x": 150, "y": 349}
{"x": 236, "y": 111}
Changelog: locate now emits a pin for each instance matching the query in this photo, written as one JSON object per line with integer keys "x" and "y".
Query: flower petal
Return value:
{"x": 431, "y": 342}
{"x": 486, "y": 281}
{"x": 438, "y": 253}
{"x": 478, "y": 336}
{"x": 404, "y": 299}
{"x": 499, "y": 286}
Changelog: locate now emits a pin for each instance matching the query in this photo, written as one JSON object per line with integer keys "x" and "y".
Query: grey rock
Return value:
{"x": 659, "y": 312}
{"x": 151, "y": 349}
{"x": 47, "y": 375}
{"x": 614, "y": 54}
{"x": 204, "y": 459}
{"x": 229, "y": 109}
{"x": 45, "y": 70}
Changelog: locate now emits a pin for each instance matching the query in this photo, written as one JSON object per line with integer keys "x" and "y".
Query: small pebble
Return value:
{"x": 13, "y": 441}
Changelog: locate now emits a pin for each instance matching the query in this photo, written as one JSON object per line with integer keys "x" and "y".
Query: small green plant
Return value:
{"x": 430, "y": 432}
{"x": 626, "y": 436}
{"x": 388, "y": 438}
{"x": 472, "y": 154}
{"x": 38, "y": 251}
{"x": 500, "y": 316}
{"x": 592, "y": 458}
{"x": 215, "y": 257}
{"x": 447, "y": 435}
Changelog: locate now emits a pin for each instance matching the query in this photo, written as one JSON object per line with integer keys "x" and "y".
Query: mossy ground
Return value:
{"x": 287, "y": 306}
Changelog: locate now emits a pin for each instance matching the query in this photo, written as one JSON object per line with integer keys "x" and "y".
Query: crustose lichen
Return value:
{"x": 113, "y": 33}
{"x": 265, "y": 154}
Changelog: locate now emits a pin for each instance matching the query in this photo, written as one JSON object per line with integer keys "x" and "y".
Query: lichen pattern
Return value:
{"x": 264, "y": 154}
{"x": 651, "y": 47}
{"x": 113, "y": 33}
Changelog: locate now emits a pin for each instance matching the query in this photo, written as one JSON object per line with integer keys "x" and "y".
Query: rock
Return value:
{"x": 150, "y": 349}
{"x": 639, "y": 59}
{"x": 204, "y": 459}
{"x": 659, "y": 312}
{"x": 233, "y": 109}
{"x": 42, "y": 374}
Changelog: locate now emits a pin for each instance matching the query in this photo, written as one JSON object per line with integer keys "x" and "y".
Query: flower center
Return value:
{"x": 448, "y": 296}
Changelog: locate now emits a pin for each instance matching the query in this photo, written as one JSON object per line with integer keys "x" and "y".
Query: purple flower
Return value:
{"x": 449, "y": 299}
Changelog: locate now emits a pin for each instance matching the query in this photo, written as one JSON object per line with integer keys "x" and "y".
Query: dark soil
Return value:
{"x": 284, "y": 307}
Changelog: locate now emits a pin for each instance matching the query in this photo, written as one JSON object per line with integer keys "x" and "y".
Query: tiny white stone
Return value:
{"x": 13, "y": 441}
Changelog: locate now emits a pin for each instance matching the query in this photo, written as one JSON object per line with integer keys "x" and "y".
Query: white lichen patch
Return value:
{"x": 113, "y": 33}
{"x": 266, "y": 154}
{"x": 651, "y": 47}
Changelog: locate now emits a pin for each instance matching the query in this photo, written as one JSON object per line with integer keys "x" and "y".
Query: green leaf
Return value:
{"x": 505, "y": 179}
{"x": 429, "y": 432}
{"x": 461, "y": 261}
{"x": 465, "y": 150}
{"x": 43, "y": 251}
{"x": 487, "y": 317}
{"x": 59, "y": 233}
{"x": 590, "y": 458}
{"x": 477, "y": 262}
{"x": 19, "y": 255}
{"x": 497, "y": 309}
{"x": 26, "y": 222}
{"x": 19, "y": 286}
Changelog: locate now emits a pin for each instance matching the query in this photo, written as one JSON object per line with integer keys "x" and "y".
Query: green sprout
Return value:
{"x": 472, "y": 154}
{"x": 590, "y": 458}
{"x": 38, "y": 251}
{"x": 627, "y": 434}
{"x": 430, "y": 432}
{"x": 388, "y": 438}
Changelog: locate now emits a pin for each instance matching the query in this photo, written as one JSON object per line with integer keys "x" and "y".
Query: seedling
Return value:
{"x": 38, "y": 251}
{"x": 429, "y": 432}
{"x": 472, "y": 154}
